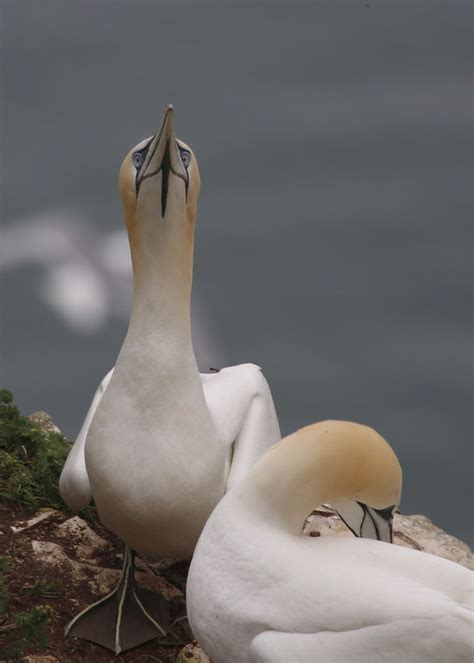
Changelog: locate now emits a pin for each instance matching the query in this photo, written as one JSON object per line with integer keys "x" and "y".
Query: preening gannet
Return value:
{"x": 260, "y": 592}
{"x": 161, "y": 443}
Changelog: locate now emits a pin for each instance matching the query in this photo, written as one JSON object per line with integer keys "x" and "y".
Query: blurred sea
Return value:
{"x": 333, "y": 238}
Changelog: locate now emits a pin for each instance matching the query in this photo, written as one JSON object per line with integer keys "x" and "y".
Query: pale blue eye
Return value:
{"x": 185, "y": 157}
{"x": 137, "y": 160}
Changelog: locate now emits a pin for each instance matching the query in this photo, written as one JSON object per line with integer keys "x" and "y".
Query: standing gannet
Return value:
{"x": 260, "y": 592}
{"x": 161, "y": 443}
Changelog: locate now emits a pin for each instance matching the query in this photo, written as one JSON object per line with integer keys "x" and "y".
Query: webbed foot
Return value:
{"x": 127, "y": 617}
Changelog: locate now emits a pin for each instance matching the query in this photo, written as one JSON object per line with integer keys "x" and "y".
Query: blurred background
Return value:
{"x": 333, "y": 235}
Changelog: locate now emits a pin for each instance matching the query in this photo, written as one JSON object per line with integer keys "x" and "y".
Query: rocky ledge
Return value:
{"x": 73, "y": 550}
{"x": 85, "y": 560}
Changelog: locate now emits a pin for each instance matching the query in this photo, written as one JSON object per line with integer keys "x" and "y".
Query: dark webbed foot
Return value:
{"x": 127, "y": 617}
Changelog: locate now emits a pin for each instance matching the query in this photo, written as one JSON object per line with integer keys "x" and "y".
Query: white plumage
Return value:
{"x": 260, "y": 592}
{"x": 161, "y": 442}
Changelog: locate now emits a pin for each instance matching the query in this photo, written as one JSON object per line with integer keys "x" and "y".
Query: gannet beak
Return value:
{"x": 377, "y": 523}
{"x": 163, "y": 155}
{"x": 365, "y": 521}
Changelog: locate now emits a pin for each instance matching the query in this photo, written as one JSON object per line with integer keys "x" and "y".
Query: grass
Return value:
{"x": 31, "y": 459}
{"x": 4, "y": 593}
{"x": 30, "y": 627}
{"x": 45, "y": 589}
{"x": 31, "y": 631}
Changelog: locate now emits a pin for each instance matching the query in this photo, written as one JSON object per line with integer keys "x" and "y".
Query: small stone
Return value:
{"x": 192, "y": 653}
{"x": 44, "y": 421}
{"x": 326, "y": 523}
{"x": 39, "y": 659}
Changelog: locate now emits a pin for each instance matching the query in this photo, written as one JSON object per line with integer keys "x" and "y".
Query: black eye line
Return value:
{"x": 143, "y": 152}
{"x": 188, "y": 153}
{"x": 186, "y": 181}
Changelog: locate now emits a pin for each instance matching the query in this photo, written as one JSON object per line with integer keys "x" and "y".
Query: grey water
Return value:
{"x": 333, "y": 236}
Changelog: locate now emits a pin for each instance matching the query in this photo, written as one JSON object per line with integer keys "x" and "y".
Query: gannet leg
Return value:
{"x": 127, "y": 617}
{"x": 242, "y": 409}
{"x": 74, "y": 484}
{"x": 409, "y": 640}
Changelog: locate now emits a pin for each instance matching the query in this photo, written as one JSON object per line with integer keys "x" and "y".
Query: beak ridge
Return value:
{"x": 162, "y": 143}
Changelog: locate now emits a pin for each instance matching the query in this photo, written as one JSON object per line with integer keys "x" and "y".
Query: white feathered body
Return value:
{"x": 249, "y": 578}
{"x": 153, "y": 458}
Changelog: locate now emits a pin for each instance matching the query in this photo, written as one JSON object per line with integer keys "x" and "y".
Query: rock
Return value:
{"x": 414, "y": 531}
{"x": 325, "y": 522}
{"x": 419, "y": 532}
{"x": 39, "y": 517}
{"x": 39, "y": 659}
{"x": 87, "y": 544}
{"x": 101, "y": 580}
{"x": 192, "y": 653}
{"x": 44, "y": 421}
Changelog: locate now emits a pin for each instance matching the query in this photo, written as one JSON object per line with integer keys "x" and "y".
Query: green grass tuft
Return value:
{"x": 45, "y": 589}
{"x": 31, "y": 626}
{"x": 31, "y": 459}
{"x": 4, "y": 593}
{"x": 32, "y": 631}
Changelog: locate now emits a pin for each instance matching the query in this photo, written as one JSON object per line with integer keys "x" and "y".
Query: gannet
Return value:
{"x": 260, "y": 592}
{"x": 161, "y": 443}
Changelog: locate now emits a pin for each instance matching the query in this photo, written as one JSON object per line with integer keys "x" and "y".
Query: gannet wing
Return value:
{"x": 243, "y": 412}
{"x": 414, "y": 640}
{"x": 74, "y": 484}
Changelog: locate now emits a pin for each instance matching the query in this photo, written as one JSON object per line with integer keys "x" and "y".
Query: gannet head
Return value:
{"x": 159, "y": 181}
{"x": 369, "y": 484}
{"x": 345, "y": 464}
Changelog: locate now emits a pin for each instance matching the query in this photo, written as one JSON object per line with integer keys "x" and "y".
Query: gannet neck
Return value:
{"x": 162, "y": 259}
{"x": 159, "y": 183}
{"x": 326, "y": 462}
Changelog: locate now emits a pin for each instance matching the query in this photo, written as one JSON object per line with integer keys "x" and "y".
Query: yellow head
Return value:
{"x": 345, "y": 464}
{"x": 159, "y": 183}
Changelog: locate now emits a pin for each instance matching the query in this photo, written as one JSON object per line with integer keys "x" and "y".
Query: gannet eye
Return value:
{"x": 185, "y": 157}
{"x": 137, "y": 160}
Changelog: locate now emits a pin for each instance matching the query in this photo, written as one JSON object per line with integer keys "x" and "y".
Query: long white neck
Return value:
{"x": 283, "y": 489}
{"x": 162, "y": 258}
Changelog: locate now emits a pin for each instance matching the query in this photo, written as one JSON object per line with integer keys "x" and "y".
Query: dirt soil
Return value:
{"x": 25, "y": 570}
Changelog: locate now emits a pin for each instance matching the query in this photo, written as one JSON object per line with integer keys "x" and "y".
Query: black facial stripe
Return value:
{"x": 166, "y": 168}
{"x": 362, "y": 506}
{"x": 386, "y": 514}
{"x": 366, "y": 511}
{"x": 377, "y": 532}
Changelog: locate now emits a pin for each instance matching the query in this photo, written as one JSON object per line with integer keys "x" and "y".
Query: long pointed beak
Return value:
{"x": 163, "y": 155}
